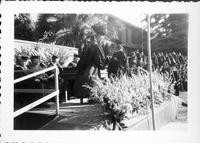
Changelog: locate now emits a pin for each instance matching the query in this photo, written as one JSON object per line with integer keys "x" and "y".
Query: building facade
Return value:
{"x": 131, "y": 35}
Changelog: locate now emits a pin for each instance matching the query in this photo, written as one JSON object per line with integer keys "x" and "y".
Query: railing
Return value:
{"x": 142, "y": 71}
{"x": 52, "y": 93}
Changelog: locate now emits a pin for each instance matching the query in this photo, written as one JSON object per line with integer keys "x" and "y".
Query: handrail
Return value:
{"x": 45, "y": 98}
{"x": 19, "y": 90}
{"x": 18, "y": 71}
{"x": 145, "y": 71}
{"x": 35, "y": 103}
{"x": 34, "y": 74}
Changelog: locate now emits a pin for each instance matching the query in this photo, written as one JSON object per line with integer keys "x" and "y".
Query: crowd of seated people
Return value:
{"x": 24, "y": 66}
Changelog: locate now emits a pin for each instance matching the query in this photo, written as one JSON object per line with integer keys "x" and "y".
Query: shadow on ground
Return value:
{"x": 32, "y": 121}
{"x": 73, "y": 116}
{"x": 77, "y": 117}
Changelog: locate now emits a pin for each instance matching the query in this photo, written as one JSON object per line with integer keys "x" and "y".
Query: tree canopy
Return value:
{"x": 72, "y": 29}
{"x": 24, "y": 27}
{"x": 169, "y": 31}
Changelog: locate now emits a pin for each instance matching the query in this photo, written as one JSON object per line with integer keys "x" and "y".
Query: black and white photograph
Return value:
{"x": 91, "y": 72}
{"x": 99, "y": 72}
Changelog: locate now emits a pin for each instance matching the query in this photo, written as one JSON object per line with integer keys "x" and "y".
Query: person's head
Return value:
{"x": 17, "y": 60}
{"x": 35, "y": 60}
{"x": 55, "y": 59}
{"x": 100, "y": 39}
{"x": 133, "y": 53}
{"x": 92, "y": 39}
{"x": 76, "y": 59}
{"x": 23, "y": 60}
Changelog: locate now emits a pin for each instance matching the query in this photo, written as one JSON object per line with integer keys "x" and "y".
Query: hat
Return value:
{"x": 55, "y": 57}
{"x": 35, "y": 57}
{"x": 24, "y": 57}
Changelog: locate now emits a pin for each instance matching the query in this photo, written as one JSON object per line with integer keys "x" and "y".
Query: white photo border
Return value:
{"x": 8, "y": 134}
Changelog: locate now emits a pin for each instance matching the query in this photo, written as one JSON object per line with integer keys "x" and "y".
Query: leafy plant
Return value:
{"x": 127, "y": 97}
{"x": 44, "y": 51}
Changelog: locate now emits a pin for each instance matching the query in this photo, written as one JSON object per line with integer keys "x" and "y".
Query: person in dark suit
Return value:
{"x": 34, "y": 66}
{"x": 21, "y": 66}
{"x": 118, "y": 64}
{"x": 55, "y": 61}
{"x": 88, "y": 68}
{"x": 37, "y": 82}
{"x": 73, "y": 64}
{"x": 20, "y": 70}
{"x": 155, "y": 60}
{"x": 21, "y": 62}
{"x": 176, "y": 80}
{"x": 133, "y": 62}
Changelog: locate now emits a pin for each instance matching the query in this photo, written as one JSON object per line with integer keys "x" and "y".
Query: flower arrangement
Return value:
{"x": 127, "y": 96}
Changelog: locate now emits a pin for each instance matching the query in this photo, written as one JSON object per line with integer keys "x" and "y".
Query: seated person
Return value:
{"x": 118, "y": 64}
{"x": 21, "y": 66}
{"x": 74, "y": 63}
{"x": 21, "y": 63}
{"x": 55, "y": 61}
{"x": 34, "y": 66}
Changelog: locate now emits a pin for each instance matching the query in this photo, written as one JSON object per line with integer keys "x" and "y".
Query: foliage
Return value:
{"x": 45, "y": 52}
{"x": 42, "y": 26}
{"x": 74, "y": 29}
{"x": 126, "y": 97}
{"x": 24, "y": 27}
{"x": 169, "y": 31}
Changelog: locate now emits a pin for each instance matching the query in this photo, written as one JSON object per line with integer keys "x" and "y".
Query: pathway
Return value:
{"x": 181, "y": 121}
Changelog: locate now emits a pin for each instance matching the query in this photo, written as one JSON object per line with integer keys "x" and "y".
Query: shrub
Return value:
{"x": 127, "y": 96}
{"x": 45, "y": 51}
